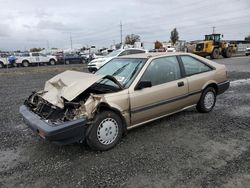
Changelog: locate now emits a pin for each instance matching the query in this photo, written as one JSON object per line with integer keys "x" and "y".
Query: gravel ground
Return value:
{"x": 187, "y": 149}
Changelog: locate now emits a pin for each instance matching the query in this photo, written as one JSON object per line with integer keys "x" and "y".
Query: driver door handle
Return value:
{"x": 180, "y": 84}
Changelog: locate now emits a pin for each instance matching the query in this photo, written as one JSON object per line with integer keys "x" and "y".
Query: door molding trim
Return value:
{"x": 139, "y": 124}
{"x": 153, "y": 105}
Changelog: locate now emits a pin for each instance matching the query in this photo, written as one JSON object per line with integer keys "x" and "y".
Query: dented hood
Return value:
{"x": 68, "y": 85}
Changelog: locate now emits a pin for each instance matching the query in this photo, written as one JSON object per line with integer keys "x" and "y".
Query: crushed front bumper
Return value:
{"x": 61, "y": 134}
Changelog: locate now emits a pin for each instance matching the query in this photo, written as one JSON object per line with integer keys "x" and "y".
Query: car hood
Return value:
{"x": 68, "y": 85}
{"x": 100, "y": 60}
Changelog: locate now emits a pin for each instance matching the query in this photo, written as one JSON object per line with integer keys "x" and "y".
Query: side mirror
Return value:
{"x": 143, "y": 84}
{"x": 221, "y": 36}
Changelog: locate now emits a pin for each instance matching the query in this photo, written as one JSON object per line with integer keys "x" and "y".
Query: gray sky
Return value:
{"x": 31, "y": 23}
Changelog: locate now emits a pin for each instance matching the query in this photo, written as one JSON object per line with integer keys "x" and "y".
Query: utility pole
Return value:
{"x": 47, "y": 44}
{"x": 121, "y": 30}
{"x": 70, "y": 40}
{"x": 213, "y": 29}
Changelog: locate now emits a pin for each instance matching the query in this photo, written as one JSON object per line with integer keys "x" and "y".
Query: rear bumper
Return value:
{"x": 222, "y": 87}
{"x": 61, "y": 134}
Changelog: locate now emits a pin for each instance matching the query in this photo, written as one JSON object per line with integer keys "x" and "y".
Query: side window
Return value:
{"x": 124, "y": 53}
{"x": 162, "y": 70}
{"x": 35, "y": 54}
{"x": 137, "y": 51}
{"x": 193, "y": 66}
{"x": 42, "y": 55}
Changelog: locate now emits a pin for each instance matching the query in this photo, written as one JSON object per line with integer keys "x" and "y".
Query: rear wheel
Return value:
{"x": 207, "y": 100}
{"x": 215, "y": 54}
{"x": 25, "y": 63}
{"x": 67, "y": 62}
{"x": 228, "y": 52}
{"x": 105, "y": 132}
{"x": 52, "y": 62}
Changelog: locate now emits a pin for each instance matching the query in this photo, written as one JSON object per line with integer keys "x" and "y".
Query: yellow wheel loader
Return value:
{"x": 213, "y": 46}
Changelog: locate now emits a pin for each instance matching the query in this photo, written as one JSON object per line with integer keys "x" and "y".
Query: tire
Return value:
{"x": 215, "y": 54}
{"x": 67, "y": 62}
{"x": 1, "y": 65}
{"x": 15, "y": 64}
{"x": 105, "y": 132}
{"x": 52, "y": 62}
{"x": 83, "y": 61}
{"x": 207, "y": 100}
{"x": 25, "y": 63}
{"x": 228, "y": 52}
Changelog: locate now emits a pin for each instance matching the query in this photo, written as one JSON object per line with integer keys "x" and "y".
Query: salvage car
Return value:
{"x": 74, "y": 58}
{"x": 247, "y": 52}
{"x": 27, "y": 59}
{"x": 3, "y": 62}
{"x": 126, "y": 92}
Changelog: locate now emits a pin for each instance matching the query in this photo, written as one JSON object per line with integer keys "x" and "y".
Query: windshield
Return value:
{"x": 124, "y": 70}
{"x": 114, "y": 53}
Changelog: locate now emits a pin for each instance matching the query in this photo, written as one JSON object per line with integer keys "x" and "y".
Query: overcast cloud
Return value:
{"x": 30, "y": 23}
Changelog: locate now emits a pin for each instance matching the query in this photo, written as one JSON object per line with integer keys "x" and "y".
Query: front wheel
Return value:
{"x": 105, "y": 132}
{"x": 1, "y": 65}
{"x": 215, "y": 54}
{"x": 25, "y": 63}
{"x": 207, "y": 100}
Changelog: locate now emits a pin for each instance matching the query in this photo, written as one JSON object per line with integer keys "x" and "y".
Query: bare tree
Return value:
{"x": 36, "y": 49}
{"x": 247, "y": 38}
{"x": 131, "y": 39}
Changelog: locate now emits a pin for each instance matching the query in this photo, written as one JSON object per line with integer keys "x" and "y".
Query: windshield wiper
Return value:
{"x": 134, "y": 71}
{"x": 118, "y": 71}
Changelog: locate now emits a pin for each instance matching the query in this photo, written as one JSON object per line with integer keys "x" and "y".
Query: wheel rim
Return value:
{"x": 107, "y": 131}
{"x": 52, "y": 62}
{"x": 209, "y": 100}
{"x": 25, "y": 64}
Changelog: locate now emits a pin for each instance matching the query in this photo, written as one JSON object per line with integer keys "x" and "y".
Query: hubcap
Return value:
{"x": 107, "y": 131}
{"x": 209, "y": 100}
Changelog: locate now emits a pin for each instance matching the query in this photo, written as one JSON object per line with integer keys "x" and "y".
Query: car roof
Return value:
{"x": 153, "y": 55}
{"x": 132, "y": 49}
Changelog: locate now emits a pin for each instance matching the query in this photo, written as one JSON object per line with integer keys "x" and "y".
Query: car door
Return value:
{"x": 197, "y": 73}
{"x": 43, "y": 58}
{"x": 35, "y": 57}
{"x": 166, "y": 95}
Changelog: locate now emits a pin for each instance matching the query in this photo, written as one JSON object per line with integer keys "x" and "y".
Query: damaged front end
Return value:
{"x": 62, "y": 112}
{"x": 72, "y": 110}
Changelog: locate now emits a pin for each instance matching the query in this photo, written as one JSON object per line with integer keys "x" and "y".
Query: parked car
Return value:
{"x": 247, "y": 52}
{"x": 74, "y": 58}
{"x": 95, "y": 64}
{"x": 3, "y": 62}
{"x": 124, "y": 93}
{"x": 59, "y": 56}
{"x": 26, "y": 59}
{"x": 7, "y": 60}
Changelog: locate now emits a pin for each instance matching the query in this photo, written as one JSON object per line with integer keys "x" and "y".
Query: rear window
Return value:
{"x": 194, "y": 66}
